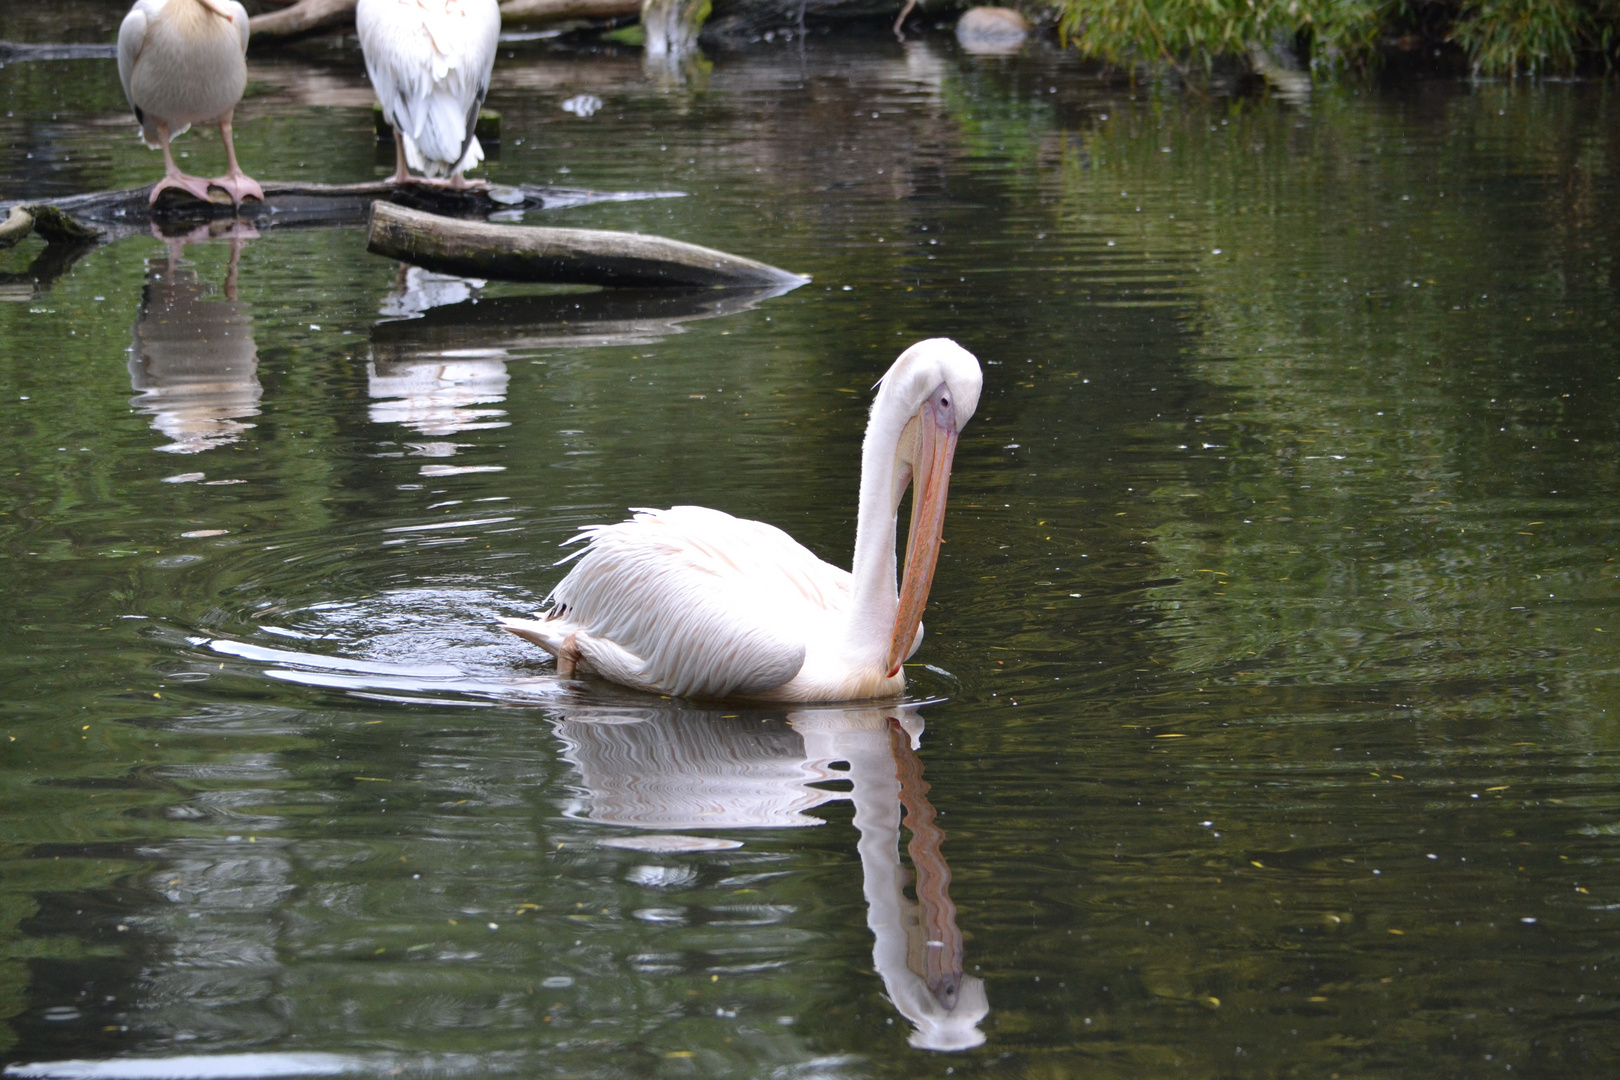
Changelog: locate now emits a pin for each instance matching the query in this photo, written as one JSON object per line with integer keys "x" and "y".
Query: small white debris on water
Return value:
{"x": 582, "y": 104}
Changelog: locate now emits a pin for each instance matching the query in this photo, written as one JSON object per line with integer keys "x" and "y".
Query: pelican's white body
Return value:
{"x": 182, "y": 62}
{"x": 429, "y": 61}
{"x": 694, "y": 602}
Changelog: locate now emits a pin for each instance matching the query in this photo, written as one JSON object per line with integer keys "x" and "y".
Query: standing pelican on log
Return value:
{"x": 429, "y": 61}
{"x": 184, "y": 62}
{"x": 696, "y": 603}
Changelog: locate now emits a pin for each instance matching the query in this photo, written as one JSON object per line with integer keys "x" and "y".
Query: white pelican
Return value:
{"x": 429, "y": 61}
{"x": 693, "y": 602}
{"x": 183, "y": 62}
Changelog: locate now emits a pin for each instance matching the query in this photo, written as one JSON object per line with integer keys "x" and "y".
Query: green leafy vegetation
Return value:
{"x": 1500, "y": 37}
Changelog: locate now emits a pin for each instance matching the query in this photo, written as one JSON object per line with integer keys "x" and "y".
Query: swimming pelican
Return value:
{"x": 183, "y": 62}
{"x": 429, "y": 61}
{"x": 694, "y": 602}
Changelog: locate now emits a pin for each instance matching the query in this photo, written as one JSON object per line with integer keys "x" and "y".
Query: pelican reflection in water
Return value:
{"x": 192, "y": 356}
{"x": 658, "y": 769}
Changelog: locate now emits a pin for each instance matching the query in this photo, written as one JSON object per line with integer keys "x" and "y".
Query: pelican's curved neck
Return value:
{"x": 876, "y": 598}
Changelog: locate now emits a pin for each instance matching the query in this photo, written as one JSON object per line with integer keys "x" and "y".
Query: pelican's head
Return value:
{"x": 934, "y": 386}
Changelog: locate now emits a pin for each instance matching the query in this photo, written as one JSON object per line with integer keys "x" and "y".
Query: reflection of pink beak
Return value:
{"x": 931, "y": 478}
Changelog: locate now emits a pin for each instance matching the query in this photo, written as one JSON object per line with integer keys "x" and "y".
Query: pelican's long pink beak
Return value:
{"x": 931, "y": 473}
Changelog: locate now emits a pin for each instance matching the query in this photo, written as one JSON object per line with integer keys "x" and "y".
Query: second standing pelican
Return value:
{"x": 429, "y": 61}
{"x": 696, "y": 603}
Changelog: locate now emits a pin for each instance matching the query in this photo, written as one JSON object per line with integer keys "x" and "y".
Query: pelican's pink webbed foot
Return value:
{"x": 194, "y": 185}
{"x": 235, "y": 183}
{"x": 172, "y": 176}
{"x": 238, "y": 186}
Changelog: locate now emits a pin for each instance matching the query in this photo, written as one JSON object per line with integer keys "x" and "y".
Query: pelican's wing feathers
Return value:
{"x": 430, "y": 64}
{"x": 711, "y": 605}
{"x": 238, "y": 15}
{"x": 131, "y": 40}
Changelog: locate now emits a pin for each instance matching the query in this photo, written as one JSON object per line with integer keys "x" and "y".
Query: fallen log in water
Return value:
{"x": 311, "y": 204}
{"x": 582, "y": 256}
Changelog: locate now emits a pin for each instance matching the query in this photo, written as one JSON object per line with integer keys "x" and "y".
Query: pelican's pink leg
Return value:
{"x": 235, "y": 182}
{"x": 172, "y": 176}
{"x": 402, "y": 172}
{"x": 568, "y": 658}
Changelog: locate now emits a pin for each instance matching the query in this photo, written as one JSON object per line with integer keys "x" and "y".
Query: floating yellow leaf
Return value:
{"x": 1398, "y": 933}
{"x": 1503, "y": 787}
{"x": 1257, "y": 862}
{"x": 1169, "y": 736}
{"x": 680, "y": 1054}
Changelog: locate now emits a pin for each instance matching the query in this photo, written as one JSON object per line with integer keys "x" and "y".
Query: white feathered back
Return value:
{"x": 713, "y": 605}
{"x": 430, "y": 62}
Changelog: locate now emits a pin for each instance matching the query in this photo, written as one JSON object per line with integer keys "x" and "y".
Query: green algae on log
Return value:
{"x": 576, "y": 256}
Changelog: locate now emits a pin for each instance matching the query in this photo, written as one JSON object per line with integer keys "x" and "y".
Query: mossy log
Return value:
{"x": 580, "y": 256}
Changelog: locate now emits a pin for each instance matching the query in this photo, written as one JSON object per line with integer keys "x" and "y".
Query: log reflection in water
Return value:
{"x": 433, "y": 391}
{"x": 193, "y": 358}
{"x": 688, "y": 769}
{"x": 441, "y": 349}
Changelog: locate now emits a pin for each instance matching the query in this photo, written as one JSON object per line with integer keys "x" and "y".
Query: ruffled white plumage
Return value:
{"x": 430, "y": 62}
{"x": 693, "y": 602}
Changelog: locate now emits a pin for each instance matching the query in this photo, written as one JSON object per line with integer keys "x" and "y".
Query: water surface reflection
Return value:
{"x": 192, "y": 357}
{"x": 687, "y": 769}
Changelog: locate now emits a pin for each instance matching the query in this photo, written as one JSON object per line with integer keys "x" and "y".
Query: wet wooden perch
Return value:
{"x": 291, "y": 204}
{"x": 582, "y": 256}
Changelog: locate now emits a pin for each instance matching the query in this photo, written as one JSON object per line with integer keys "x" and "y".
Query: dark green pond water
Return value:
{"x": 1270, "y": 704}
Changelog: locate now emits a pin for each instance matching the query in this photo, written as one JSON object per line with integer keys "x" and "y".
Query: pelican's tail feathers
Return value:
{"x": 436, "y": 135}
{"x": 546, "y": 635}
